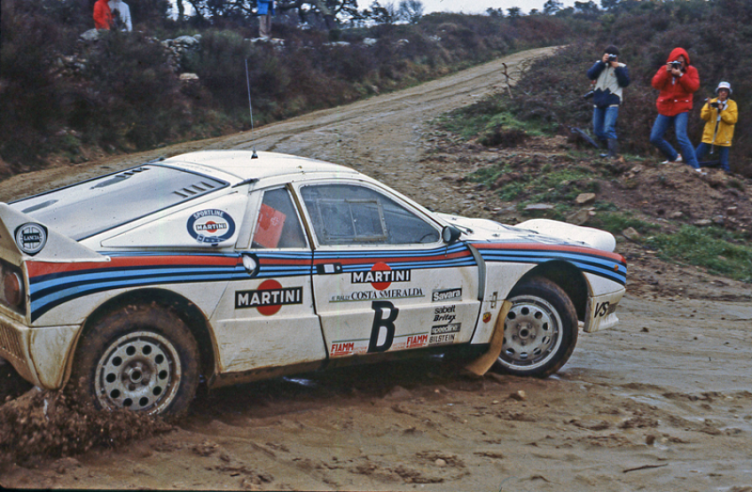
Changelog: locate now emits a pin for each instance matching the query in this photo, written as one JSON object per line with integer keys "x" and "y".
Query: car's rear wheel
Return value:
{"x": 140, "y": 358}
{"x": 540, "y": 330}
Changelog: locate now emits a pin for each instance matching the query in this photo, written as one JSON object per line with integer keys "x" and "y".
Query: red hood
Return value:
{"x": 676, "y": 53}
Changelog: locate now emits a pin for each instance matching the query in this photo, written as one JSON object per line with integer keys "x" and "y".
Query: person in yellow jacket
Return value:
{"x": 720, "y": 115}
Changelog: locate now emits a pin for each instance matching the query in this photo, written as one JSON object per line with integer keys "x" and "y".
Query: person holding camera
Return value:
{"x": 610, "y": 77}
{"x": 720, "y": 115}
{"x": 677, "y": 81}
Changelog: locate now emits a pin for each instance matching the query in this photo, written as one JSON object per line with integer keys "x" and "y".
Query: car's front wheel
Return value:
{"x": 540, "y": 330}
{"x": 140, "y": 358}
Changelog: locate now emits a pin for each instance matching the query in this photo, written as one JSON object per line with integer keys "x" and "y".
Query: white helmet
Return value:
{"x": 723, "y": 85}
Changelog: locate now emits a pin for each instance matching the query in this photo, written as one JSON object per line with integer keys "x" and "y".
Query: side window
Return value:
{"x": 278, "y": 225}
{"x": 348, "y": 214}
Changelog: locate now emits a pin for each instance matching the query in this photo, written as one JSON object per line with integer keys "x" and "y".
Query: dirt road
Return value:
{"x": 662, "y": 402}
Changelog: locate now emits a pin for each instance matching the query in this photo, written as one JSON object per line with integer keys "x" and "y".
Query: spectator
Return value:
{"x": 677, "y": 81}
{"x": 102, "y": 15}
{"x": 121, "y": 15}
{"x": 720, "y": 115}
{"x": 265, "y": 12}
{"x": 610, "y": 78}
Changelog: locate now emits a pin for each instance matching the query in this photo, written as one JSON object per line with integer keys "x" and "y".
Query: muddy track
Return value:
{"x": 662, "y": 402}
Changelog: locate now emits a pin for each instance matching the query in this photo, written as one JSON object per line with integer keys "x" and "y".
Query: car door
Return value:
{"x": 266, "y": 316}
{"x": 383, "y": 279}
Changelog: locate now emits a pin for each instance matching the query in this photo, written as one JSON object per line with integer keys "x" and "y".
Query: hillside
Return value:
{"x": 660, "y": 400}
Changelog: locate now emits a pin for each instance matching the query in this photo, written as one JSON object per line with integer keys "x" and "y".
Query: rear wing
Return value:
{"x": 23, "y": 238}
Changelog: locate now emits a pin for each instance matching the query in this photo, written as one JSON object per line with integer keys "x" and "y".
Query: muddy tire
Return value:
{"x": 141, "y": 358}
{"x": 540, "y": 331}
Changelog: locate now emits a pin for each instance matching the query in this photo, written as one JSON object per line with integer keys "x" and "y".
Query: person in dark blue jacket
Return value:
{"x": 610, "y": 77}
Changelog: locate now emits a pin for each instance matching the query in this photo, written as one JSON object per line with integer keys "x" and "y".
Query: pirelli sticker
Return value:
{"x": 268, "y": 298}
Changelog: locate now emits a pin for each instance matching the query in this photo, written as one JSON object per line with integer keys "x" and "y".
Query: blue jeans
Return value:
{"x": 604, "y": 122}
{"x": 680, "y": 127}
{"x": 721, "y": 152}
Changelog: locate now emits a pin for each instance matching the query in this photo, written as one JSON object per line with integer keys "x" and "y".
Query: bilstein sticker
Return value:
{"x": 442, "y": 339}
{"x": 380, "y": 276}
{"x": 211, "y": 226}
{"x": 446, "y": 295}
{"x": 269, "y": 297}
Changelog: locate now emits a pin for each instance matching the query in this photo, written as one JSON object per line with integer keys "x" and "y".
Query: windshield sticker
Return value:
{"x": 211, "y": 226}
{"x": 380, "y": 277}
{"x": 446, "y": 295}
{"x": 269, "y": 297}
{"x": 31, "y": 238}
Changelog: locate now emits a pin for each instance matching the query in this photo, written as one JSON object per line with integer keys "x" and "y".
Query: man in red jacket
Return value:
{"x": 102, "y": 15}
{"x": 677, "y": 81}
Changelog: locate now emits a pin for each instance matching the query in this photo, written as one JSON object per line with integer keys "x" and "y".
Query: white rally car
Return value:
{"x": 233, "y": 266}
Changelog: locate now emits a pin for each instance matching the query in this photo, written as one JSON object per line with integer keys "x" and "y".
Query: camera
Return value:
{"x": 612, "y": 58}
{"x": 588, "y": 95}
{"x": 715, "y": 105}
{"x": 675, "y": 64}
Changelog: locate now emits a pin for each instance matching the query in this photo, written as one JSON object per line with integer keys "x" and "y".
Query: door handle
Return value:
{"x": 328, "y": 268}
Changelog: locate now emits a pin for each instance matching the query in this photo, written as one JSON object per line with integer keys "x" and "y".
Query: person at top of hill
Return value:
{"x": 265, "y": 13}
{"x": 720, "y": 115}
{"x": 677, "y": 81}
{"x": 610, "y": 78}
{"x": 102, "y": 15}
{"x": 121, "y": 15}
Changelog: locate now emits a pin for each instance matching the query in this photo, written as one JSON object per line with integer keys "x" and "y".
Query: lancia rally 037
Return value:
{"x": 232, "y": 266}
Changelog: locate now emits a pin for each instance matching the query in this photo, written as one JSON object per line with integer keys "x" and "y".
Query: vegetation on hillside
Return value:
{"x": 717, "y": 34}
{"x": 122, "y": 92}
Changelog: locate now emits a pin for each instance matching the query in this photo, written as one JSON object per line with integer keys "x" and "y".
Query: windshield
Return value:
{"x": 90, "y": 207}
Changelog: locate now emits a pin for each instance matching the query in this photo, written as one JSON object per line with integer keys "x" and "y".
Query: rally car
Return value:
{"x": 230, "y": 266}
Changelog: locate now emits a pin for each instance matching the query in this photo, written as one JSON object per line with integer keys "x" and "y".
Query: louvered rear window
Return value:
{"x": 90, "y": 207}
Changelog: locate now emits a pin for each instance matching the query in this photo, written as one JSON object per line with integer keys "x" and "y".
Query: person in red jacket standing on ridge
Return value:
{"x": 102, "y": 15}
{"x": 677, "y": 81}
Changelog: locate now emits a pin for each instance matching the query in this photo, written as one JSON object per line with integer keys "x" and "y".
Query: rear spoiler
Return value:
{"x": 22, "y": 238}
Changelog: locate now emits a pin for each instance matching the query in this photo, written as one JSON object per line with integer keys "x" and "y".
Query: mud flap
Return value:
{"x": 482, "y": 364}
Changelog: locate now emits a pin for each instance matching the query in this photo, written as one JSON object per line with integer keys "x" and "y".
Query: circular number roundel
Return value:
{"x": 31, "y": 238}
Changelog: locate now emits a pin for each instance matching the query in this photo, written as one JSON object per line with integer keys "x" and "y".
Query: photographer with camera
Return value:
{"x": 677, "y": 81}
{"x": 610, "y": 78}
{"x": 720, "y": 115}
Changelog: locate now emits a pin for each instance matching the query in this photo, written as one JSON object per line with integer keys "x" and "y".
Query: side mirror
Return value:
{"x": 450, "y": 234}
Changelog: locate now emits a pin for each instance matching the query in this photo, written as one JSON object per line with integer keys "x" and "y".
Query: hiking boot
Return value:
{"x": 613, "y": 148}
